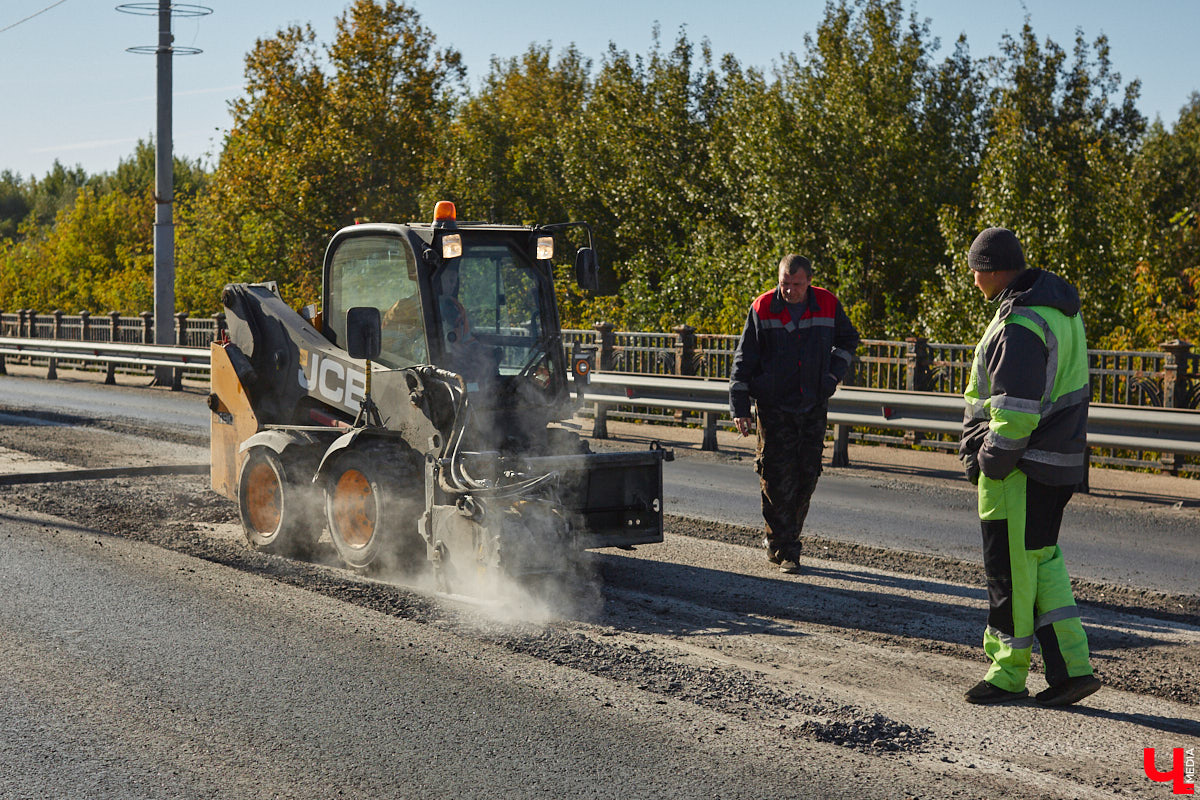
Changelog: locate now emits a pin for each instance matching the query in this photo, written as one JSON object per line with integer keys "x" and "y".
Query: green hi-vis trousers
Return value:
{"x": 1029, "y": 592}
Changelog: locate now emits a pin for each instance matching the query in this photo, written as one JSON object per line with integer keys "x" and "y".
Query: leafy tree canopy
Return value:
{"x": 871, "y": 151}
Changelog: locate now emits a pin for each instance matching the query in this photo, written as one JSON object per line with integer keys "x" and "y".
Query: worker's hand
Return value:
{"x": 971, "y": 467}
{"x": 828, "y": 385}
{"x": 743, "y": 425}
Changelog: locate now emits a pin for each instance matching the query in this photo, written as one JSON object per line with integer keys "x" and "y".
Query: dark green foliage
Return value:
{"x": 1055, "y": 169}
{"x": 323, "y": 136}
{"x": 14, "y": 204}
{"x": 871, "y": 152}
{"x": 136, "y": 175}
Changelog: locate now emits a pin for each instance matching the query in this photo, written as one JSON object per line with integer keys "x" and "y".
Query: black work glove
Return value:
{"x": 828, "y": 386}
{"x": 971, "y": 465}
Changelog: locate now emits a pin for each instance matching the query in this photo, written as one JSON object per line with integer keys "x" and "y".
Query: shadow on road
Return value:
{"x": 685, "y": 600}
{"x": 1183, "y": 727}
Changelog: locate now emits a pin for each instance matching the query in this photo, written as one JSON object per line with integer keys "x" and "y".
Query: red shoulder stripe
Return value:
{"x": 762, "y": 307}
{"x": 826, "y": 302}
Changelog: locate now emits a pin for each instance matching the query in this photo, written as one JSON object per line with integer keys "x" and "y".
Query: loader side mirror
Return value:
{"x": 363, "y": 332}
{"x": 587, "y": 270}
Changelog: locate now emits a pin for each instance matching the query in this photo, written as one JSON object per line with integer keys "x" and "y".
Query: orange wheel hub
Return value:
{"x": 354, "y": 510}
{"x": 264, "y": 496}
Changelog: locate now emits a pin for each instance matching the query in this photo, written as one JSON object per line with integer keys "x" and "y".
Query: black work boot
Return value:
{"x": 789, "y": 566}
{"x": 772, "y": 554}
{"x": 787, "y": 557}
{"x": 984, "y": 693}
{"x": 1072, "y": 690}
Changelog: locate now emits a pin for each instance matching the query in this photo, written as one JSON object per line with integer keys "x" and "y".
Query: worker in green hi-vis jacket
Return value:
{"x": 1024, "y": 443}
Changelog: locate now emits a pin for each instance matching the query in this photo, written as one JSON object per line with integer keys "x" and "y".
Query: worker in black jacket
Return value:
{"x": 796, "y": 347}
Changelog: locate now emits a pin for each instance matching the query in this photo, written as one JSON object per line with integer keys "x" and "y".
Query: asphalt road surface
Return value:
{"x": 1147, "y": 540}
{"x": 1138, "y": 531}
{"x": 132, "y": 672}
{"x": 146, "y": 652}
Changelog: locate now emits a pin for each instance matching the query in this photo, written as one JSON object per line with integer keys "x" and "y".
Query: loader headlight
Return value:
{"x": 452, "y": 246}
{"x": 583, "y": 360}
{"x": 545, "y": 248}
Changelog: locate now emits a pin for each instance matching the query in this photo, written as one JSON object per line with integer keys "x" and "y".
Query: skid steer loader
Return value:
{"x": 420, "y": 416}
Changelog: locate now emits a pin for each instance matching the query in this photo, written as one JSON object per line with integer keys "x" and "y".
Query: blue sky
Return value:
{"x": 70, "y": 91}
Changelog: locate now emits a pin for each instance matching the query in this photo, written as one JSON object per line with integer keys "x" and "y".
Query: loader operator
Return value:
{"x": 467, "y": 355}
{"x": 1024, "y": 443}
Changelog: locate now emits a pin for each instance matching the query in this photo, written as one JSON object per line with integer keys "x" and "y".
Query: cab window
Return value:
{"x": 378, "y": 271}
{"x": 496, "y": 287}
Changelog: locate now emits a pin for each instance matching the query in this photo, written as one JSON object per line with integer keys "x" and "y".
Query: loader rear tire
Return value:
{"x": 280, "y": 512}
{"x": 372, "y": 510}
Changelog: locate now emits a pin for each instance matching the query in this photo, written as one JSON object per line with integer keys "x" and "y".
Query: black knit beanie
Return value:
{"x": 996, "y": 249}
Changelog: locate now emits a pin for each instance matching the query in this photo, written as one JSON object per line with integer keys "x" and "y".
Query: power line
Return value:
{"x": 31, "y": 16}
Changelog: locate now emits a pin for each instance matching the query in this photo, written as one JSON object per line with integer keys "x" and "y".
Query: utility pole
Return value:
{"x": 164, "y": 196}
{"x": 164, "y": 168}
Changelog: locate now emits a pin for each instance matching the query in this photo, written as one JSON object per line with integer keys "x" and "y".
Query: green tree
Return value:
{"x": 1055, "y": 170}
{"x": 323, "y": 136}
{"x": 632, "y": 160}
{"x": 889, "y": 137}
{"x": 501, "y": 158}
{"x": 135, "y": 175}
{"x": 14, "y": 204}
{"x": 1164, "y": 302}
{"x": 85, "y": 242}
{"x": 97, "y": 256}
{"x": 28, "y": 206}
{"x": 846, "y": 156}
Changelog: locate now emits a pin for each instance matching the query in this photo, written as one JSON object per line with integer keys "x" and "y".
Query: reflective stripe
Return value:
{"x": 1022, "y": 404}
{"x": 1057, "y": 615}
{"x": 1069, "y": 399}
{"x": 1041, "y": 408}
{"x": 983, "y": 381}
{"x": 1001, "y": 442}
{"x": 1057, "y": 459}
{"x": 976, "y": 409}
{"x": 1011, "y": 642}
{"x": 810, "y": 322}
{"x": 842, "y": 354}
{"x": 794, "y": 326}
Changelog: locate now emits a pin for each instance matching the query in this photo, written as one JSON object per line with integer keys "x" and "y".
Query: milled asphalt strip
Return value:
{"x": 58, "y": 476}
{"x": 814, "y": 636}
{"x": 22, "y": 468}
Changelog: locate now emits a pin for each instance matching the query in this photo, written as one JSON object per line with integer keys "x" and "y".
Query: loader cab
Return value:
{"x": 474, "y": 298}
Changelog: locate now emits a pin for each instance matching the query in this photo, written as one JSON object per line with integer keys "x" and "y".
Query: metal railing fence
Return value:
{"x": 1110, "y": 427}
{"x": 1168, "y": 378}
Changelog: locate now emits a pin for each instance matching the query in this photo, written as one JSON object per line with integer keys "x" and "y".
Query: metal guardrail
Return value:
{"x": 1121, "y": 427}
{"x": 149, "y": 355}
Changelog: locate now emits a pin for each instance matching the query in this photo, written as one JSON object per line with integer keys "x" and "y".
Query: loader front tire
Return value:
{"x": 372, "y": 520}
{"x": 280, "y": 513}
